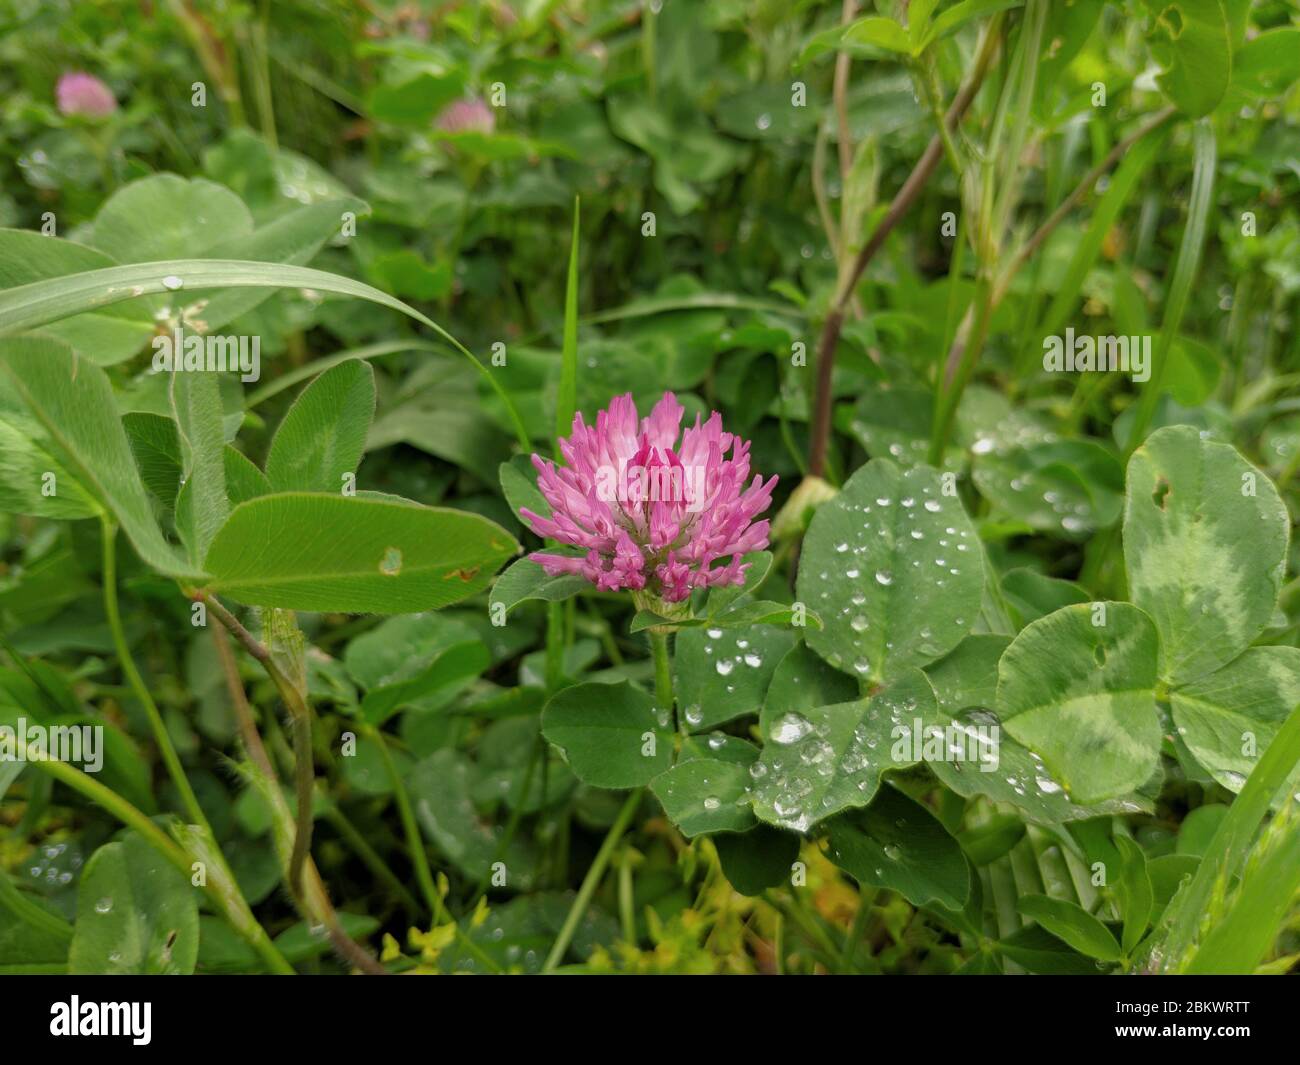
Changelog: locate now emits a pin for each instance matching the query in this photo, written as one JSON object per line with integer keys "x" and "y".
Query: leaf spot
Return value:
{"x": 1171, "y": 19}
{"x": 1161, "y": 493}
{"x": 391, "y": 564}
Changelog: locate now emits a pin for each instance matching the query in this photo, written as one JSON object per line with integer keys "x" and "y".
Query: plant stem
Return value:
{"x": 964, "y": 353}
{"x": 124, "y": 811}
{"x": 663, "y": 670}
{"x": 372, "y": 858}
{"x": 840, "y": 94}
{"x": 419, "y": 857}
{"x": 217, "y": 60}
{"x": 1028, "y": 49}
{"x": 262, "y": 74}
{"x": 29, "y": 913}
{"x": 1289, "y": 471}
{"x": 554, "y": 647}
{"x": 304, "y": 787}
{"x": 1071, "y": 201}
{"x": 313, "y": 904}
{"x": 605, "y": 631}
{"x": 21, "y": 663}
{"x": 820, "y": 428}
{"x": 300, "y": 713}
{"x": 991, "y": 212}
{"x": 236, "y": 910}
{"x": 1238, "y": 330}
{"x": 248, "y": 735}
{"x": 930, "y": 90}
{"x": 414, "y": 841}
{"x": 819, "y": 193}
{"x": 165, "y": 746}
{"x": 591, "y": 880}
{"x": 626, "y": 910}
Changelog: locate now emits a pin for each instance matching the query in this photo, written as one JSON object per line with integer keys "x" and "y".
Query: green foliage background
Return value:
{"x": 710, "y": 181}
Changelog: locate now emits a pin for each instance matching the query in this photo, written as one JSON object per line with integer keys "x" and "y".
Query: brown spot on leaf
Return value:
{"x": 1161, "y": 493}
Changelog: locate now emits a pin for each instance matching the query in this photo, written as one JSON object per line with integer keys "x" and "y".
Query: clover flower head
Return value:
{"x": 659, "y": 511}
{"x": 466, "y": 116}
{"x": 79, "y": 93}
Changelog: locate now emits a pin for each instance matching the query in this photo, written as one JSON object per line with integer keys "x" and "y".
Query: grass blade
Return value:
{"x": 1185, "y": 269}
{"x": 41, "y": 302}
{"x": 1126, "y": 180}
{"x": 566, "y": 402}
{"x": 1240, "y": 940}
{"x": 1231, "y": 842}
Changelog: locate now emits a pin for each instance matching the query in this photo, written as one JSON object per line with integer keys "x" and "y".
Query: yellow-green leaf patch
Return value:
{"x": 1205, "y": 540}
{"x": 1078, "y": 687}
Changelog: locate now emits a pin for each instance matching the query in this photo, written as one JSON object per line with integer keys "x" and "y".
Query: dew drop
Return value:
{"x": 790, "y": 728}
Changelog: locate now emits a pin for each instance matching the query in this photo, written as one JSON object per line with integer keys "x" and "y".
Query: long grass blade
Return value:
{"x": 1205, "y": 155}
{"x": 566, "y": 402}
{"x": 1231, "y": 842}
{"x": 41, "y": 302}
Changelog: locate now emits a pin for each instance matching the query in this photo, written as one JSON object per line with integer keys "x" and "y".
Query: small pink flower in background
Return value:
{"x": 79, "y": 93}
{"x": 465, "y": 116}
{"x": 654, "y": 514}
